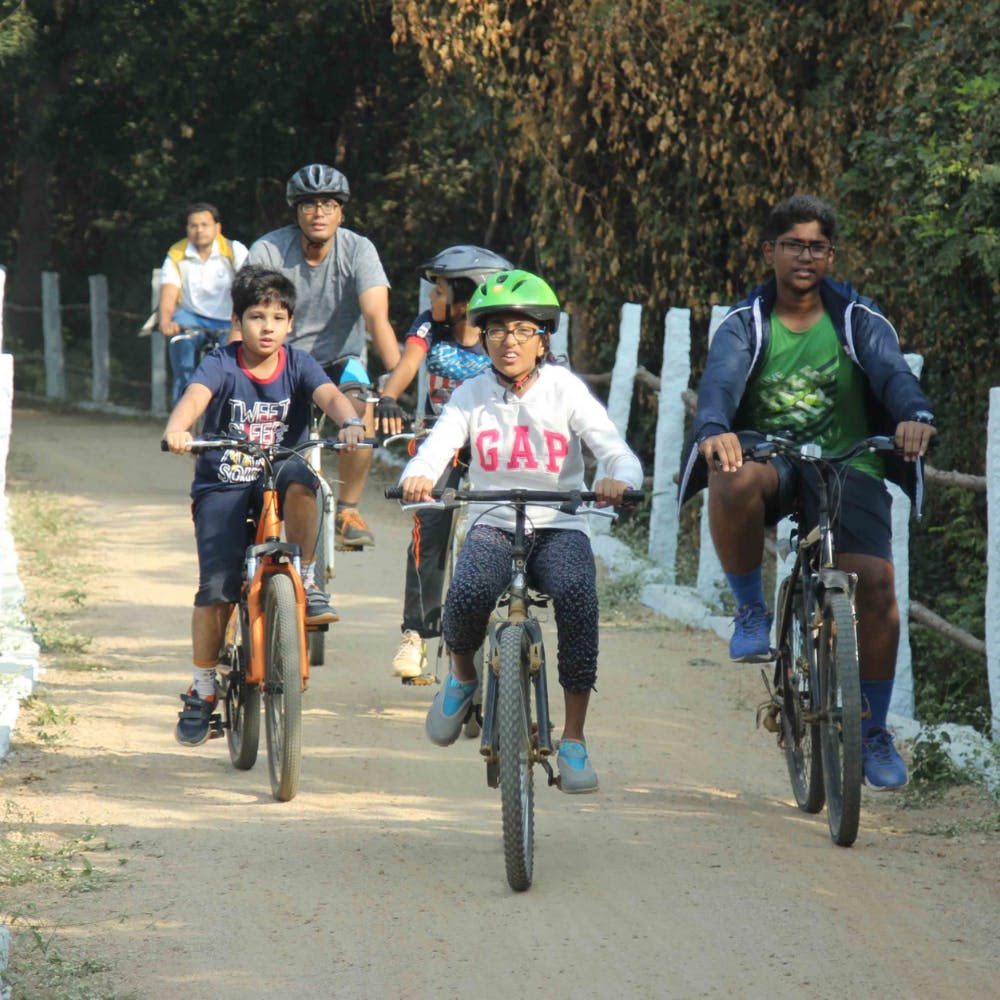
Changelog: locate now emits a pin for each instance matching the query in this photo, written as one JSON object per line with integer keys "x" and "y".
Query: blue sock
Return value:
{"x": 877, "y": 695}
{"x": 747, "y": 588}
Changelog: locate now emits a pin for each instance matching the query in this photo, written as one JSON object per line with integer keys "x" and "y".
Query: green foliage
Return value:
{"x": 932, "y": 767}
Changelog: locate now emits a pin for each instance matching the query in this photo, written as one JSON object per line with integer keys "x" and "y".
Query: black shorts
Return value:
{"x": 860, "y": 506}
{"x": 222, "y": 532}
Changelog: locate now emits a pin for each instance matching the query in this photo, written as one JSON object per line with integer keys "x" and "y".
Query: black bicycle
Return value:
{"x": 816, "y": 705}
{"x": 511, "y": 742}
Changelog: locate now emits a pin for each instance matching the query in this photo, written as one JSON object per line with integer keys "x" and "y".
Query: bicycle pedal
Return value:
{"x": 768, "y": 713}
{"x": 422, "y": 680}
{"x": 554, "y": 779}
{"x": 216, "y": 727}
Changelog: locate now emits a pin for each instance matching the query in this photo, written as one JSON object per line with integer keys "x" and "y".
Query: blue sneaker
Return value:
{"x": 576, "y": 773}
{"x": 883, "y": 767}
{"x": 447, "y": 713}
{"x": 751, "y": 641}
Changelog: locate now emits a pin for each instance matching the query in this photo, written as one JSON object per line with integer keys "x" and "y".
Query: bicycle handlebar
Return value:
{"x": 450, "y": 497}
{"x": 773, "y": 445}
{"x": 199, "y": 445}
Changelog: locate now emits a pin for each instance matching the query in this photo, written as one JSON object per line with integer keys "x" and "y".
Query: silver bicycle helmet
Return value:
{"x": 314, "y": 181}
{"x": 464, "y": 261}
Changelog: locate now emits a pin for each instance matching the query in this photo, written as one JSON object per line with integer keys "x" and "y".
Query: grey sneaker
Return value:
{"x": 447, "y": 713}
{"x": 318, "y": 608}
{"x": 351, "y": 530}
{"x": 576, "y": 773}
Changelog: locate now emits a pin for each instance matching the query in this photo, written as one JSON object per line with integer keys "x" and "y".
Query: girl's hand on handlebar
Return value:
{"x": 417, "y": 489}
{"x": 913, "y": 438}
{"x": 723, "y": 452}
{"x": 352, "y": 435}
{"x": 177, "y": 441}
{"x": 610, "y": 492}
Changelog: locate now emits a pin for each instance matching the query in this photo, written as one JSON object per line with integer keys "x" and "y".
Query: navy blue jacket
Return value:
{"x": 739, "y": 347}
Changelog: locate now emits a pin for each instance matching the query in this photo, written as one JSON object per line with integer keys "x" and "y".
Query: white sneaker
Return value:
{"x": 410, "y": 658}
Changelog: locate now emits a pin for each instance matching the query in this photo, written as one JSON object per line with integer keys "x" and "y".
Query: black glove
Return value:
{"x": 388, "y": 408}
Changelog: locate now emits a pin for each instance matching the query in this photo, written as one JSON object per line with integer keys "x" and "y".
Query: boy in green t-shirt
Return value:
{"x": 810, "y": 359}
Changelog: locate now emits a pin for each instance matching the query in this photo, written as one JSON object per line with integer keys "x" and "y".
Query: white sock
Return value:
{"x": 204, "y": 681}
{"x": 309, "y": 574}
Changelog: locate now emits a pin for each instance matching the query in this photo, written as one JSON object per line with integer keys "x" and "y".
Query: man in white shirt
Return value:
{"x": 195, "y": 283}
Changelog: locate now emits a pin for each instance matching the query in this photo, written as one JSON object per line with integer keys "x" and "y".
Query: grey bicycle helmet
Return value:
{"x": 314, "y": 181}
{"x": 464, "y": 261}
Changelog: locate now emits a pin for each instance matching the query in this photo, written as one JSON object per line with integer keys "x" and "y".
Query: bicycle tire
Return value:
{"x": 323, "y": 572}
{"x": 282, "y": 686}
{"x": 242, "y": 700}
{"x": 517, "y": 795}
{"x": 840, "y": 719}
{"x": 797, "y": 663}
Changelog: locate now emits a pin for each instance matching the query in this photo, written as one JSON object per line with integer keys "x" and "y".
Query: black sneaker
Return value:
{"x": 318, "y": 608}
{"x": 194, "y": 721}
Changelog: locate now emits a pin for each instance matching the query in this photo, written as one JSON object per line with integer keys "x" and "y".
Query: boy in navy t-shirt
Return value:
{"x": 260, "y": 389}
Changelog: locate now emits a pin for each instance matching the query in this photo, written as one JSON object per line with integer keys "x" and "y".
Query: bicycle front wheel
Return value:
{"x": 282, "y": 686}
{"x": 840, "y": 719}
{"x": 517, "y": 793}
{"x": 800, "y": 738}
{"x": 242, "y": 699}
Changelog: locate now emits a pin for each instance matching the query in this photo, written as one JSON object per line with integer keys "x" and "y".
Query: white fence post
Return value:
{"x": 675, "y": 375}
{"x": 993, "y": 557}
{"x": 100, "y": 338}
{"x": 710, "y": 575}
{"x": 559, "y": 343}
{"x": 626, "y": 360}
{"x": 903, "y": 702}
{"x": 55, "y": 365}
{"x": 157, "y": 353}
{"x": 622, "y": 384}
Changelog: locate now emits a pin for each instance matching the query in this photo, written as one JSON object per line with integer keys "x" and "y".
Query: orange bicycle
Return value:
{"x": 265, "y": 648}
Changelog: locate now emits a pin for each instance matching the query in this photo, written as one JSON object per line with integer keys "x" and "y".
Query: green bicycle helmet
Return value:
{"x": 515, "y": 292}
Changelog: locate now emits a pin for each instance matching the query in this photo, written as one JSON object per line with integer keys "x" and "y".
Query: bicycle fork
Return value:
{"x": 532, "y": 648}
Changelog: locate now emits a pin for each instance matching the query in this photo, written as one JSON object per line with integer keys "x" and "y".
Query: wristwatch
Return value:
{"x": 924, "y": 417}
{"x": 353, "y": 422}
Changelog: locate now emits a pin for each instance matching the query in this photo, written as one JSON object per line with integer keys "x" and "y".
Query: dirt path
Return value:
{"x": 690, "y": 874}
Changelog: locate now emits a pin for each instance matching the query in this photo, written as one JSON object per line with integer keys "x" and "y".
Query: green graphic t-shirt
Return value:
{"x": 808, "y": 389}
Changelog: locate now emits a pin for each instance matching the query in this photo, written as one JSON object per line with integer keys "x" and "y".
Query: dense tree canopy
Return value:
{"x": 629, "y": 151}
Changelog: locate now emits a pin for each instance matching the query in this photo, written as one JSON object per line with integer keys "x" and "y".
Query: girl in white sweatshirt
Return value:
{"x": 524, "y": 420}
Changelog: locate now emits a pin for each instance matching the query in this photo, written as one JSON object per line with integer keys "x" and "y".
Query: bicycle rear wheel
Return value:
{"x": 282, "y": 686}
{"x": 517, "y": 794}
{"x": 797, "y": 663}
{"x": 242, "y": 699}
{"x": 840, "y": 720}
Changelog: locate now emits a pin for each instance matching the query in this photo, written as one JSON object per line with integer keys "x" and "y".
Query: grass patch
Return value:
{"x": 56, "y": 574}
{"x": 42, "y": 965}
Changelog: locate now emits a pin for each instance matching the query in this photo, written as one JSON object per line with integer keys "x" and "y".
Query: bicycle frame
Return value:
{"x": 815, "y": 562}
{"x": 519, "y": 603}
{"x": 266, "y": 556}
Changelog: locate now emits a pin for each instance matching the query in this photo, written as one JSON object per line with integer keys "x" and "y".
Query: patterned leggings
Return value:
{"x": 560, "y": 564}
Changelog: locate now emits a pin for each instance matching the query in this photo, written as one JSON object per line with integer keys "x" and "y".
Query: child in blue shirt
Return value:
{"x": 260, "y": 389}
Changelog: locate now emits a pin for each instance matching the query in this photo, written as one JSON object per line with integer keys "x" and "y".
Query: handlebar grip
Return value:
{"x": 633, "y": 496}
{"x": 393, "y": 493}
{"x": 164, "y": 446}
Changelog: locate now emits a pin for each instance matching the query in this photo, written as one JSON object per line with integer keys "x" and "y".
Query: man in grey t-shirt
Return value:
{"x": 342, "y": 292}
